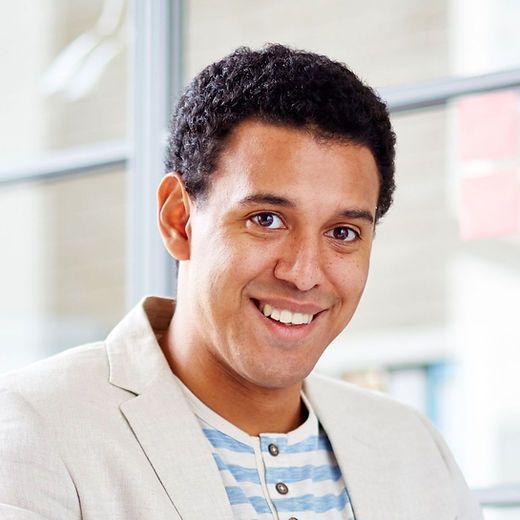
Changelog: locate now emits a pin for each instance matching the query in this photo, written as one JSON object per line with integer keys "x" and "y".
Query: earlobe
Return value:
{"x": 174, "y": 207}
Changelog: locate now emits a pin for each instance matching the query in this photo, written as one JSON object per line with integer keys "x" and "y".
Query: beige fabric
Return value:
{"x": 104, "y": 431}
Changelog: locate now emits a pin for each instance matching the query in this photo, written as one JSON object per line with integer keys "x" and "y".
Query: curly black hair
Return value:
{"x": 277, "y": 85}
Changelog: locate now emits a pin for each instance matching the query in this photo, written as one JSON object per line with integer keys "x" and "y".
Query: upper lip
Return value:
{"x": 284, "y": 304}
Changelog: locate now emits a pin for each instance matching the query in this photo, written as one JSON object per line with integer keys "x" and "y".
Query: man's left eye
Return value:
{"x": 268, "y": 220}
{"x": 343, "y": 233}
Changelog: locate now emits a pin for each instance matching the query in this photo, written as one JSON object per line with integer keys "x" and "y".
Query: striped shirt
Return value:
{"x": 276, "y": 476}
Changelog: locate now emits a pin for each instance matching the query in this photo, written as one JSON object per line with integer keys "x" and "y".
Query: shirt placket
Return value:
{"x": 275, "y": 457}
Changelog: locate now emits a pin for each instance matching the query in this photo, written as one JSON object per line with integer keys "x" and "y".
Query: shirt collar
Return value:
{"x": 308, "y": 428}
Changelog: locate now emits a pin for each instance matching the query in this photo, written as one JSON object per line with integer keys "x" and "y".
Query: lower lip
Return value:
{"x": 288, "y": 332}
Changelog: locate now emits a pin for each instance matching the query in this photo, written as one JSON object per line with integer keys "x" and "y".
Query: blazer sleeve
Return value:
{"x": 34, "y": 481}
{"x": 467, "y": 504}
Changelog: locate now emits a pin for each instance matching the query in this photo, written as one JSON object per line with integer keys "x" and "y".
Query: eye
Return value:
{"x": 343, "y": 233}
{"x": 268, "y": 220}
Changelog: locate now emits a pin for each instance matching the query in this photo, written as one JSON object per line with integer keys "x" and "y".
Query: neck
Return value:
{"x": 251, "y": 408}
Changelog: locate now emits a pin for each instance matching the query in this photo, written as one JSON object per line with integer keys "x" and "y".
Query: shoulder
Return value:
{"x": 71, "y": 368}
{"x": 373, "y": 416}
{"x": 42, "y": 410}
{"x": 413, "y": 449}
{"x": 63, "y": 405}
{"x": 65, "y": 386}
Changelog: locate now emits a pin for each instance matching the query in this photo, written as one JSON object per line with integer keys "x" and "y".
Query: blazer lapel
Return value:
{"x": 362, "y": 465}
{"x": 173, "y": 442}
{"x": 161, "y": 418}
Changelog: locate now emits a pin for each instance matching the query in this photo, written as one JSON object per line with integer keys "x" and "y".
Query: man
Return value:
{"x": 280, "y": 165}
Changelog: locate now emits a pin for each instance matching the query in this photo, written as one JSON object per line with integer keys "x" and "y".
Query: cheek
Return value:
{"x": 350, "y": 278}
{"x": 245, "y": 257}
{"x": 224, "y": 267}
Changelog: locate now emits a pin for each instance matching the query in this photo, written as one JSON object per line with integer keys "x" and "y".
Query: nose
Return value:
{"x": 300, "y": 263}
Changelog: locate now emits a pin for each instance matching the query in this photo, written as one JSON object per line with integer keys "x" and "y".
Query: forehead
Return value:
{"x": 293, "y": 163}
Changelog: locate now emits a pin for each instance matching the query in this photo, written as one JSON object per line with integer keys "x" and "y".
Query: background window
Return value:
{"x": 64, "y": 93}
{"x": 63, "y": 272}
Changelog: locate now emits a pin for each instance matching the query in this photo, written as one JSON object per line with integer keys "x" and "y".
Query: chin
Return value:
{"x": 279, "y": 379}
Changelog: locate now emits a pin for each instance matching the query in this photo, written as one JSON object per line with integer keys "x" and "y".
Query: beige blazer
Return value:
{"x": 103, "y": 431}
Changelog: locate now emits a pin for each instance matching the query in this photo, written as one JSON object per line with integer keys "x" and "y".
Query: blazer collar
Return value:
{"x": 159, "y": 415}
{"x": 135, "y": 359}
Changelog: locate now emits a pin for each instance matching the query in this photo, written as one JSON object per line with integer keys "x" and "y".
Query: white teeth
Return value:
{"x": 267, "y": 310}
{"x": 285, "y": 316}
{"x": 299, "y": 318}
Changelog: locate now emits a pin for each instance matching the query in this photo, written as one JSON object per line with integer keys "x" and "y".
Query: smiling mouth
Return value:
{"x": 284, "y": 316}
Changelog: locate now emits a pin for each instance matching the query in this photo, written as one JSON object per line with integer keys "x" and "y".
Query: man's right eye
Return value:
{"x": 268, "y": 220}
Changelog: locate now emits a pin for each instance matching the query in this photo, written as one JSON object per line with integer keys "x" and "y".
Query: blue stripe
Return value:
{"x": 237, "y": 496}
{"x": 240, "y": 473}
{"x": 221, "y": 440}
{"x": 312, "y": 443}
{"x": 311, "y": 503}
{"x": 289, "y": 475}
{"x": 281, "y": 442}
{"x": 293, "y": 474}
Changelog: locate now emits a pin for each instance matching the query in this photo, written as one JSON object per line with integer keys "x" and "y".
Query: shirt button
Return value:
{"x": 282, "y": 488}
{"x": 273, "y": 450}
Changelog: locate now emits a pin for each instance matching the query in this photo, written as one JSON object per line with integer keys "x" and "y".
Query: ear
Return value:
{"x": 174, "y": 206}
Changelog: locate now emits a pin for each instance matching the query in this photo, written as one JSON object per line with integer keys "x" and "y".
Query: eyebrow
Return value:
{"x": 358, "y": 214}
{"x": 267, "y": 198}
{"x": 276, "y": 200}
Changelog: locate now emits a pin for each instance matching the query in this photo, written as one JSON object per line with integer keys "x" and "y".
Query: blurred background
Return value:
{"x": 86, "y": 91}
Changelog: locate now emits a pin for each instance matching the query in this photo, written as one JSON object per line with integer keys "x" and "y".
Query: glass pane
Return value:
{"x": 438, "y": 324}
{"x": 386, "y": 43}
{"x": 484, "y": 35}
{"x": 63, "y": 272}
{"x": 512, "y": 513}
{"x": 64, "y": 70}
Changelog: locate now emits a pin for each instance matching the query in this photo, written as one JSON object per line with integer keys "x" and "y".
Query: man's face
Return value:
{"x": 279, "y": 253}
